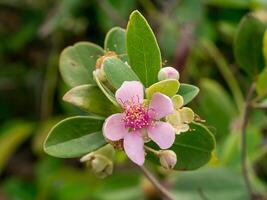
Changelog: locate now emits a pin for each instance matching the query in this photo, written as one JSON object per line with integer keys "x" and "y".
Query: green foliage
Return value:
{"x": 219, "y": 184}
{"x": 91, "y": 99}
{"x": 262, "y": 83}
{"x": 117, "y": 72}
{"x": 188, "y": 92}
{"x": 168, "y": 87}
{"x": 116, "y": 41}
{"x": 248, "y": 45}
{"x": 194, "y": 147}
{"x": 106, "y": 91}
{"x": 11, "y": 137}
{"x": 142, "y": 48}
{"x": 75, "y": 136}
{"x": 216, "y": 107}
{"x": 77, "y": 63}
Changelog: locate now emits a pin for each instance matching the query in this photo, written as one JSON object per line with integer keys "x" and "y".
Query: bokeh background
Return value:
{"x": 195, "y": 36}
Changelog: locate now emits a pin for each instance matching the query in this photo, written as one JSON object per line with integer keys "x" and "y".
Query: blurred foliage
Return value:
{"x": 195, "y": 36}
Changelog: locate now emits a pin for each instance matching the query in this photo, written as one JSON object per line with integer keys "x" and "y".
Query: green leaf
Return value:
{"x": 265, "y": 47}
{"x": 188, "y": 92}
{"x": 193, "y": 148}
{"x": 75, "y": 136}
{"x": 168, "y": 87}
{"x": 212, "y": 183}
{"x": 105, "y": 90}
{"x": 117, "y": 72}
{"x": 248, "y": 45}
{"x": 261, "y": 85}
{"x": 12, "y": 135}
{"x": 213, "y": 100}
{"x": 90, "y": 98}
{"x": 77, "y": 63}
{"x": 116, "y": 41}
{"x": 142, "y": 48}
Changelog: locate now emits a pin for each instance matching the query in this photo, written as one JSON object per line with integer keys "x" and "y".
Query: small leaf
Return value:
{"x": 142, "y": 48}
{"x": 193, "y": 148}
{"x": 77, "y": 63}
{"x": 214, "y": 99}
{"x": 261, "y": 86}
{"x": 75, "y": 136}
{"x": 105, "y": 90}
{"x": 248, "y": 45}
{"x": 117, "y": 72}
{"x": 116, "y": 41}
{"x": 211, "y": 183}
{"x": 168, "y": 87}
{"x": 90, "y": 98}
{"x": 188, "y": 92}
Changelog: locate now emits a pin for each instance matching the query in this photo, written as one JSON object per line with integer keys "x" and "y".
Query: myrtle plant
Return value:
{"x": 134, "y": 105}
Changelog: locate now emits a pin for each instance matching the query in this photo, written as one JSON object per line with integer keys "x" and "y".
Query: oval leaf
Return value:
{"x": 168, "y": 87}
{"x": 90, "y": 98}
{"x": 106, "y": 91}
{"x": 193, "y": 148}
{"x": 117, "y": 72}
{"x": 211, "y": 91}
{"x": 248, "y": 45}
{"x": 74, "y": 137}
{"x": 116, "y": 41}
{"x": 188, "y": 92}
{"x": 77, "y": 63}
{"x": 142, "y": 49}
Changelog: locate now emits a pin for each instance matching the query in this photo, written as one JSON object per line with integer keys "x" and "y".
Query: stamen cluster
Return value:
{"x": 136, "y": 116}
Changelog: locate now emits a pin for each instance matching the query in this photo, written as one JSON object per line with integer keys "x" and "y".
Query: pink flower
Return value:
{"x": 137, "y": 119}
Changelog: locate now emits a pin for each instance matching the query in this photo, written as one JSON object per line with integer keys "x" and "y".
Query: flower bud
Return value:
{"x": 100, "y": 162}
{"x": 167, "y": 159}
{"x": 168, "y": 73}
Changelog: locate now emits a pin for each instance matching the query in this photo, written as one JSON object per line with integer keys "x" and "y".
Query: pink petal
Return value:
{"x": 134, "y": 147}
{"x": 130, "y": 91}
{"x": 114, "y": 128}
{"x": 162, "y": 133}
{"x": 160, "y": 106}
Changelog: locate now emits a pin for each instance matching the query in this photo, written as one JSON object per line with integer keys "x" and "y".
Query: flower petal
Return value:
{"x": 134, "y": 147}
{"x": 114, "y": 128}
{"x": 130, "y": 91}
{"x": 160, "y": 106}
{"x": 163, "y": 134}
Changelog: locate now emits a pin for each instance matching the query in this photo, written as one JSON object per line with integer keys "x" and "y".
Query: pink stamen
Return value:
{"x": 136, "y": 116}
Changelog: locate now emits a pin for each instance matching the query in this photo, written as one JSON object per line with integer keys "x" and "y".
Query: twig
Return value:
{"x": 156, "y": 183}
{"x": 244, "y": 140}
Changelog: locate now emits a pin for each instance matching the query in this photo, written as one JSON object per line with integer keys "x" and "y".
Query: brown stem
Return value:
{"x": 244, "y": 140}
{"x": 157, "y": 184}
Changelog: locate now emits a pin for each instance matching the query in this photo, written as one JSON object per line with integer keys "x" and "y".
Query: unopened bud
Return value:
{"x": 101, "y": 59}
{"x": 168, "y": 73}
{"x": 167, "y": 159}
{"x": 100, "y": 162}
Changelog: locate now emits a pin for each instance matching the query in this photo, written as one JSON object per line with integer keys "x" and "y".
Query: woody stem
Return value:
{"x": 157, "y": 184}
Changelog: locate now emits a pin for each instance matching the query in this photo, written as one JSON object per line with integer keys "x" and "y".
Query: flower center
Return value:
{"x": 136, "y": 116}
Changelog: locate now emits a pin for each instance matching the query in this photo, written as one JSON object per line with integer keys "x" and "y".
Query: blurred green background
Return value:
{"x": 195, "y": 36}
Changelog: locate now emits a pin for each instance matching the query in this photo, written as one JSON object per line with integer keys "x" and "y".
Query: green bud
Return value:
{"x": 100, "y": 162}
{"x": 167, "y": 159}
